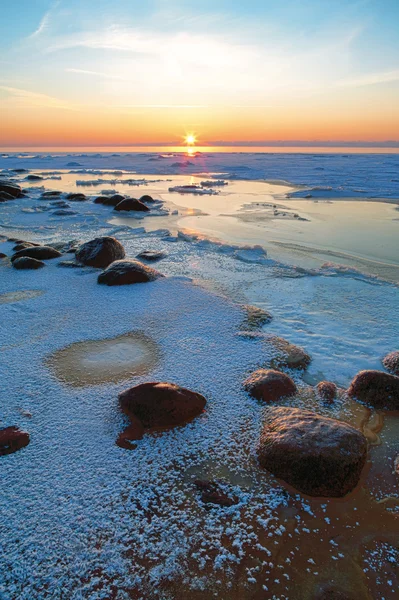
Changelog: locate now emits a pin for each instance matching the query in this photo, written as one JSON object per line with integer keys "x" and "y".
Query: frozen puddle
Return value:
{"x": 19, "y": 295}
{"x": 94, "y": 362}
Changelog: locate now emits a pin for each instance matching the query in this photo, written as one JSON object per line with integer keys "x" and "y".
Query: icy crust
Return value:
{"x": 327, "y": 175}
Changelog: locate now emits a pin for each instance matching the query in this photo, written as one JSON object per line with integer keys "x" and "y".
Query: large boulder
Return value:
{"x": 12, "y": 189}
{"x": 128, "y": 271}
{"x": 4, "y": 197}
{"x": 269, "y": 385}
{"x": 12, "y": 439}
{"x": 377, "y": 389}
{"x": 26, "y": 262}
{"x": 100, "y": 252}
{"x": 131, "y": 204}
{"x": 160, "y": 405}
{"x": 391, "y": 362}
{"x": 38, "y": 252}
{"x": 109, "y": 200}
{"x": 317, "y": 455}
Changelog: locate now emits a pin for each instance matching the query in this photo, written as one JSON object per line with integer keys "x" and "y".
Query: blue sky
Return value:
{"x": 127, "y": 55}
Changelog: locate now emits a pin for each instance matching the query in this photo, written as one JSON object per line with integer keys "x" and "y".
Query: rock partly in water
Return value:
{"x": 33, "y": 177}
{"x": 391, "y": 362}
{"x": 161, "y": 405}
{"x": 214, "y": 492}
{"x": 51, "y": 194}
{"x": 12, "y": 439}
{"x": 76, "y": 197}
{"x": 12, "y": 189}
{"x": 255, "y": 318}
{"x": 38, "y": 252}
{"x": 23, "y": 245}
{"x": 146, "y": 198}
{"x": 109, "y": 200}
{"x": 151, "y": 255}
{"x": 2, "y": 255}
{"x": 4, "y": 197}
{"x": 128, "y": 271}
{"x": 131, "y": 204}
{"x": 377, "y": 389}
{"x": 100, "y": 252}
{"x": 269, "y": 385}
{"x": 317, "y": 455}
{"x": 26, "y": 262}
{"x": 289, "y": 355}
{"x": 327, "y": 390}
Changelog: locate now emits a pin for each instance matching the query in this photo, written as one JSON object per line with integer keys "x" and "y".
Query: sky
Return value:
{"x": 125, "y": 72}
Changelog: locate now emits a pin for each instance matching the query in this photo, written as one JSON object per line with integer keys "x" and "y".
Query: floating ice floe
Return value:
{"x": 193, "y": 189}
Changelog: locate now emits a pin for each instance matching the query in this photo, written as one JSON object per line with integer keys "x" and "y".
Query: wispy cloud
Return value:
{"x": 45, "y": 21}
{"x": 96, "y": 74}
{"x": 370, "y": 79}
{"x": 29, "y": 98}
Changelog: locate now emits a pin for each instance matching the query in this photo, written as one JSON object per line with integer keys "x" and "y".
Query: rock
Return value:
{"x": 377, "y": 389}
{"x": 12, "y": 439}
{"x": 391, "y": 362}
{"x": 128, "y": 271}
{"x": 67, "y": 247}
{"x": 60, "y": 204}
{"x": 23, "y": 245}
{"x": 109, "y": 200}
{"x": 52, "y": 194}
{"x": 131, "y": 204}
{"x": 151, "y": 255}
{"x": 146, "y": 198}
{"x": 12, "y": 189}
{"x": 327, "y": 390}
{"x": 160, "y": 405}
{"x": 290, "y": 356}
{"x": 269, "y": 385}
{"x": 76, "y": 197}
{"x": 61, "y": 212}
{"x": 2, "y": 255}
{"x": 33, "y": 178}
{"x": 26, "y": 262}
{"x": 212, "y": 492}
{"x": 4, "y": 197}
{"x": 39, "y": 252}
{"x": 317, "y": 455}
{"x": 100, "y": 252}
{"x": 255, "y": 318}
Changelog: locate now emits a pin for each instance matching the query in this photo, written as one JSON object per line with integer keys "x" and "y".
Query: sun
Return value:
{"x": 190, "y": 139}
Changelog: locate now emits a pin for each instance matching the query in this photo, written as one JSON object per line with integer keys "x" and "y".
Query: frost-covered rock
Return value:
{"x": 151, "y": 255}
{"x": 377, "y": 389}
{"x": 12, "y": 189}
{"x": 391, "y": 362}
{"x": 128, "y": 271}
{"x": 12, "y": 439}
{"x": 131, "y": 204}
{"x": 161, "y": 404}
{"x": 317, "y": 455}
{"x": 100, "y": 252}
{"x": 327, "y": 390}
{"x": 38, "y": 252}
{"x": 255, "y": 318}
{"x": 269, "y": 385}
{"x": 26, "y": 262}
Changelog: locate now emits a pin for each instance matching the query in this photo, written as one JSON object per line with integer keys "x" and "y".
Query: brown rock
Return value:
{"x": 377, "y": 389}
{"x": 316, "y": 455}
{"x": 26, "y": 262}
{"x": 100, "y": 252}
{"x": 391, "y": 362}
{"x": 269, "y": 385}
{"x": 23, "y": 245}
{"x": 12, "y": 189}
{"x": 161, "y": 405}
{"x": 12, "y": 439}
{"x": 255, "y": 318}
{"x": 38, "y": 252}
{"x": 128, "y": 271}
{"x": 327, "y": 390}
{"x": 131, "y": 204}
{"x": 289, "y": 355}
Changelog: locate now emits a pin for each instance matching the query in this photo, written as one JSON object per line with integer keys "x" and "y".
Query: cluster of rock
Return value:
{"x": 123, "y": 203}
{"x": 9, "y": 191}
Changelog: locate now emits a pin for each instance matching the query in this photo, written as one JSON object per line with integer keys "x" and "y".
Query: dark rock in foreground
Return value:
{"x": 269, "y": 385}
{"x": 317, "y": 455}
{"x": 26, "y": 262}
{"x": 131, "y": 204}
{"x": 12, "y": 439}
{"x": 76, "y": 197}
{"x": 212, "y": 492}
{"x": 38, "y": 252}
{"x": 12, "y": 189}
{"x": 100, "y": 252}
{"x": 161, "y": 405}
{"x": 327, "y": 390}
{"x": 151, "y": 255}
{"x": 377, "y": 389}
{"x": 126, "y": 272}
{"x": 2, "y": 255}
{"x": 4, "y": 197}
{"x": 109, "y": 200}
{"x": 391, "y": 362}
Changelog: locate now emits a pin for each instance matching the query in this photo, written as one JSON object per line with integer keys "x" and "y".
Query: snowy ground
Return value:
{"x": 83, "y": 518}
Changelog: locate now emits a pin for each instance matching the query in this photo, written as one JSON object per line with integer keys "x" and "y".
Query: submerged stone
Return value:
{"x": 269, "y": 385}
